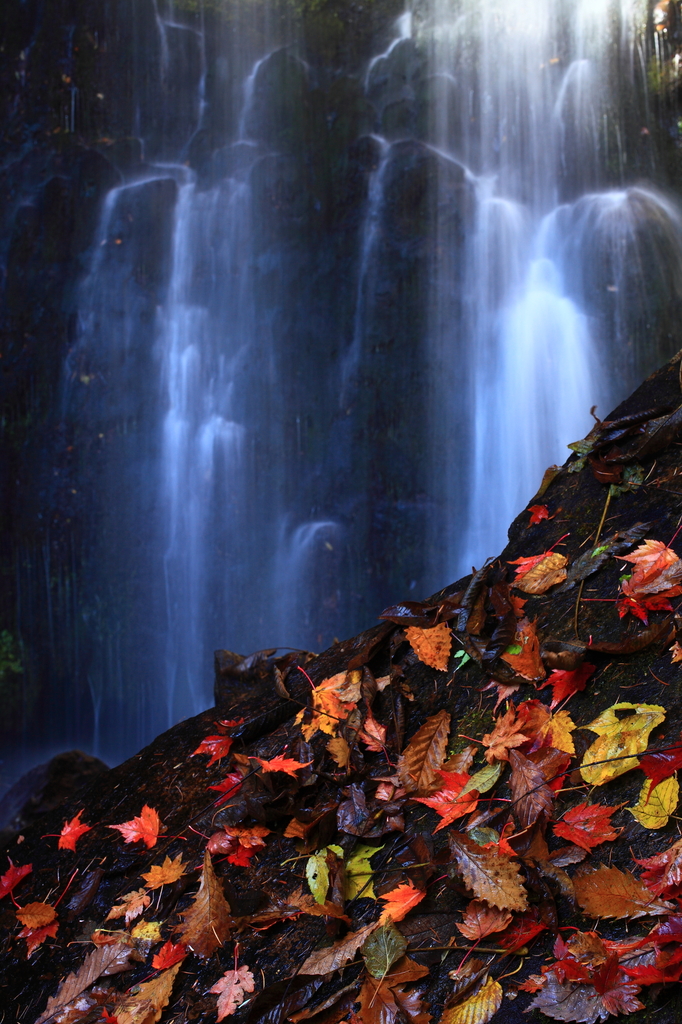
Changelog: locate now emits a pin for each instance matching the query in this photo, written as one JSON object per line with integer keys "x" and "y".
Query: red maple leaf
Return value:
{"x": 230, "y": 785}
{"x": 217, "y": 746}
{"x": 13, "y": 876}
{"x": 232, "y": 723}
{"x": 282, "y": 764}
{"x": 143, "y": 828}
{"x": 659, "y": 766}
{"x": 35, "y": 936}
{"x": 168, "y": 955}
{"x": 447, "y": 801}
{"x": 564, "y": 684}
{"x": 538, "y": 513}
{"x": 71, "y": 832}
{"x": 523, "y": 929}
{"x": 587, "y": 825}
{"x": 641, "y": 605}
{"x": 108, "y": 1018}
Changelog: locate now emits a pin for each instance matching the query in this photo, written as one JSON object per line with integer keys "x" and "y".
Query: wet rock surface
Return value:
{"x": 258, "y": 700}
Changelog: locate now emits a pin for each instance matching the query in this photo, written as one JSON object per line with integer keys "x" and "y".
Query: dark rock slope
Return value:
{"x": 270, "y": 921}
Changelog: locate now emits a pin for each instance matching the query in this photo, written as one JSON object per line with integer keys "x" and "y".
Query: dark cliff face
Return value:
{"x": 351, "y": 208}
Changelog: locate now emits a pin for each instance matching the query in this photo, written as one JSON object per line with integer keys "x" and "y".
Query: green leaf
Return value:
{"x": 382, "y": 948}
{"x": 484, "y": 779}
{"x": 317, "y": 872}
{"x": 599, "y": 550}
{"x": 359, "y": 872}
{"x": 513, "y": 649}
{"x": 481, "y": 836}
{"x": 578, "y": 465}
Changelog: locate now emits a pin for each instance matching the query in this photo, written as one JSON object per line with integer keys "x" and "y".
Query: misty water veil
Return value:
{"x": 308, "y": 402}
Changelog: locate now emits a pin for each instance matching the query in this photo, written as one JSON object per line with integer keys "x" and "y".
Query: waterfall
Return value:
{"x": 565, "y": 274}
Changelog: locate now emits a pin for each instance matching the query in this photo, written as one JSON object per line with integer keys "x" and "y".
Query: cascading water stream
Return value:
{"x": 534, "y": 113}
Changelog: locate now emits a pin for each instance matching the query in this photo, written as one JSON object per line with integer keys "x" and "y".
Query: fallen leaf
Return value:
{"x": 538, "y": 513}
{"x": 619, "y": 736}
{"x": 481, "y": 920}
{"x": 36, "y": 936}
{"x": 538, "y": 573}
{"x": 484, "y": 779}
{"x": 71, "y": 833}
{"x": 339, "y": 751}
{"x": 492, "y": 877}
{"x": 504, "y": 736}
{"x": 373, "y": 734}
{"x": 385, "y": 1001}
{"x": 610, "y": 892}
{"x": 399, "y": 902}
{"x": 131, "y": 906}
{"x": 450, "y": 802}
{"x": 208, "y": 922}
{"x": 359, "y": 872}
{"x": 660, "y": 765}
{"x": 663, "y": 875}
{"x": 419, "y": 763}
{"x": 326, "y": 713}
{"x": 148, "y": 1002}
{"x": 656, "y": 803}
{"x": 576, "y": 1002}
{"x": 147, "y": 931}
{"x": 104, "y": 961}
{"x": 217, "y": 746}
{"x": 587, "y": 825}
{"x": 432, "y": 646}
{"x": 282, "y": 764}
{"x": 477, "y": 1009}
{"x": 525, "y": 661}
{"x": 522, "y": 930}
{"x": 168, "y": 956}
{"x": 382, "y": 948}
{"x": 317, "y": 871}
{"x": 144, "y": 828}
{"x": 13, "y": 876}
{"x": 676, "y": 652}
{"x": 240, "y": 844}
{"x": 36, "y": 915}
{"x": 164, "y": 874}
{"x": 564, "y": 683}
{"x": 232, "y": 990}
{"x": 323, "y": 961}
{"x": 531, "y": 796}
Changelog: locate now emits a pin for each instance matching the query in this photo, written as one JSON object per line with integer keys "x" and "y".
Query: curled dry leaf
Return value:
{"x": 106, "y": 960}
{"x": 419, "y": 763}
{"x": 610, "y": 892}
{"x": 491, "y": 876}
{"x": 208, "y": 921}
{"x": 432, "y": 646}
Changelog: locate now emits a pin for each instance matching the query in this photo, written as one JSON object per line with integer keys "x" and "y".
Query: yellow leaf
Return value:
{"x": 327, "y": 712}
{"x": 164, "y": 874}
{"x": 478, "y": 1009}
{"x": 339, "y": 750}
{"x": 147, "y": 931}
{"x": 146, "y": 1005}
{"x": 545, "y": 574}
{"x": 359, "y": 872}
{"x": 618, "y": 737}
{"x": 558, "y": 729}
{"x": 655, "y": 806}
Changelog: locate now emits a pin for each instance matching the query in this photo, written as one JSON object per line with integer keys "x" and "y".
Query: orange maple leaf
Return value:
{"x": 164, "y": 874}
{"x": 432, "y": 646}
{"x": 217, "y": 746}
{"x": 131, "y": 906}
{"x": 327, "y": 711}
{"x": 527, "y": 661}
{"x": 168, "y": 955}
{"x": 145, "y": 827}
{"x": 481, "y": 920}
{"x": 447, "y": 801}
{"x": 282, "y": 764}
{"x": 71, "y": 832}
{"x": 399, "y": 902}
{"x": 240, "y": 844}
{"x": 504, "y": 737}
{"x": 373, "y": 734}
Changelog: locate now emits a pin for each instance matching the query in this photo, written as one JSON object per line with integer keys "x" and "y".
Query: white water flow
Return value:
{"x": 557, "y": 283}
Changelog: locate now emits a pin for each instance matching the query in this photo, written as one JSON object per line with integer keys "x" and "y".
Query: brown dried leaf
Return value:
{"x": 208, "y": 921}
{"x": 610, "y": 892}
{"x": 339, "y": 750}
{"x": 491, "y": 876}
{"x": 544, "y": 575}
{"x": 432, "y": 646}
{"x": 149, "y": 1002}
{"x": 527, "y": 662}
{"x": 105, "y": 960}
{"x": 323, "y": 961}
{"x": 532, "y": 797}
{"x": 481, "y": 920}
{"x": 419, "y": 763}
{"x": 506, "y": 734}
